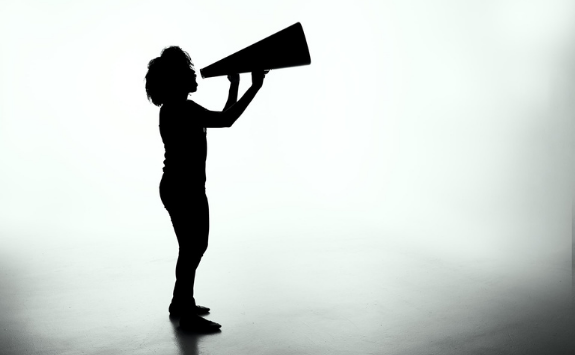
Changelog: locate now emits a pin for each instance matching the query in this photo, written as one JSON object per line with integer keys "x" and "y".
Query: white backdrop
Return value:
{"x": 445, "y": 123}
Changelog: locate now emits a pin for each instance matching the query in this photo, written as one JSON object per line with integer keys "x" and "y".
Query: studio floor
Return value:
{"x": 345, "y": 288}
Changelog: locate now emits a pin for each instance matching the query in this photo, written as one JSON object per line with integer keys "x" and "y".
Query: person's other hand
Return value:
{"x": 234, "y": 78}
{"x": 258, "y": 78}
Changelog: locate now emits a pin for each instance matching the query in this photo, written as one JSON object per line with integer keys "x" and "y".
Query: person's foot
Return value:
{"x": 197, "y": 324}
{"x": 177, "y": 311}
{"x": 201, "y": 310}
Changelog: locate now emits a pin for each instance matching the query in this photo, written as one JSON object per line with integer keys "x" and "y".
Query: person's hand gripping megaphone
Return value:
{"x": 258, "y": 78}
{"x": 234, "y": 78}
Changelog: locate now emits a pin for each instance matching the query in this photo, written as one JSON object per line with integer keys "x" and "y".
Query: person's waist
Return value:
{"x": 184, "y": 174}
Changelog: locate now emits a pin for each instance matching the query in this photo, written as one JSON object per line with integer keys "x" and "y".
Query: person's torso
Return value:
{"x": 185, "y": 144}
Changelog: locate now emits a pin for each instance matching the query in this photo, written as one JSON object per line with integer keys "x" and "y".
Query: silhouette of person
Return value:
{"x": 169, "y": 80}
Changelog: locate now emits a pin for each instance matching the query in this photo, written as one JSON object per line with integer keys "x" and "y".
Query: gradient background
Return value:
{"x": 441, "y": 126}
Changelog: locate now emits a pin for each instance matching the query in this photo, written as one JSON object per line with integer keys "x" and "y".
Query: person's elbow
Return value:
{"x": 218, "y": 120}
{"x": 228, "y": 119}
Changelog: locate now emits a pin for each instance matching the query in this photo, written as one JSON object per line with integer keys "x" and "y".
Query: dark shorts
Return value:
{"x": 187, "y": 205}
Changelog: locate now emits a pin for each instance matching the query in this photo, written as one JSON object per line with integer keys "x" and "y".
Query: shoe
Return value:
{"x": 201, "y": 310}
{"x": 197, "y": 324}
{"x": 177, "y": 311}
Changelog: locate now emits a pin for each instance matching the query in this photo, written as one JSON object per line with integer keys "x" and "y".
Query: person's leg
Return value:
{"x": 193, "y": 240}
{"x": 189, "y": 212}
{"x": 190, "y": 219}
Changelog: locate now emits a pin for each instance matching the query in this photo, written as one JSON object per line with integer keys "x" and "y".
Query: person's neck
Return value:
{"x": 176, "y": 100}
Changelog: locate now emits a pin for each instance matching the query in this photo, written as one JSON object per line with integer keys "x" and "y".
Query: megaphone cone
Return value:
{"x": 286, "y": 48}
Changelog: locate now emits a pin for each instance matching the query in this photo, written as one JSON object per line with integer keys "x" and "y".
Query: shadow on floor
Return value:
{"x": 188, "y": 342}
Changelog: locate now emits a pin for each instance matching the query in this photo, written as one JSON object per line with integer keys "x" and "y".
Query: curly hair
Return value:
{"x": 165, "y": 73}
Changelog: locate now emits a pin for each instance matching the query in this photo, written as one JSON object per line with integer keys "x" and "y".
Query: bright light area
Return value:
{"x": 442, "y": 124}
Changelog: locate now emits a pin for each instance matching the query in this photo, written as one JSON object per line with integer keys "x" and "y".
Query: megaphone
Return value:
{"x": 284, "y": 49}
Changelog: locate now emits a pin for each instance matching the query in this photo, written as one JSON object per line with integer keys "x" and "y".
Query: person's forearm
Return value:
{"x": 232, "y": 96}
{"x": 236, "y": 110}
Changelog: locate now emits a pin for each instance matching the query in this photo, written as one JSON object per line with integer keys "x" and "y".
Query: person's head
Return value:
{"x": 170, "y": 77}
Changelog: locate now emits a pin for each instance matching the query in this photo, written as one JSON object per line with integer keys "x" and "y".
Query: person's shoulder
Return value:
{"x": 169, "y": 108}
{"x": 170, "y": 112}
{"x": 194, "y": 107}
{"x": 178, "y": 108}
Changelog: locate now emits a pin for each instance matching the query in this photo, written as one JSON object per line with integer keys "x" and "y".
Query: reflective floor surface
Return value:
{"x": 339, "y": 288}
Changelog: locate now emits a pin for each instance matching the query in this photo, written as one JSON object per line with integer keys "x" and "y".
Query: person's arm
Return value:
{"x": 214, "y": 119}
{"x": 233, "y": 94}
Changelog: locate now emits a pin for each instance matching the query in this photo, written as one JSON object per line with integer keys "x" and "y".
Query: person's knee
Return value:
{"x": 193, "y": 251}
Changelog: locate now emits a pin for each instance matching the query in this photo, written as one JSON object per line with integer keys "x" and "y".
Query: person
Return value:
{"x": 183, "y": 123}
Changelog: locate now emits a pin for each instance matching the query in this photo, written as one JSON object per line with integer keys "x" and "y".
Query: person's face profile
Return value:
{"x": 191, "y": 79}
